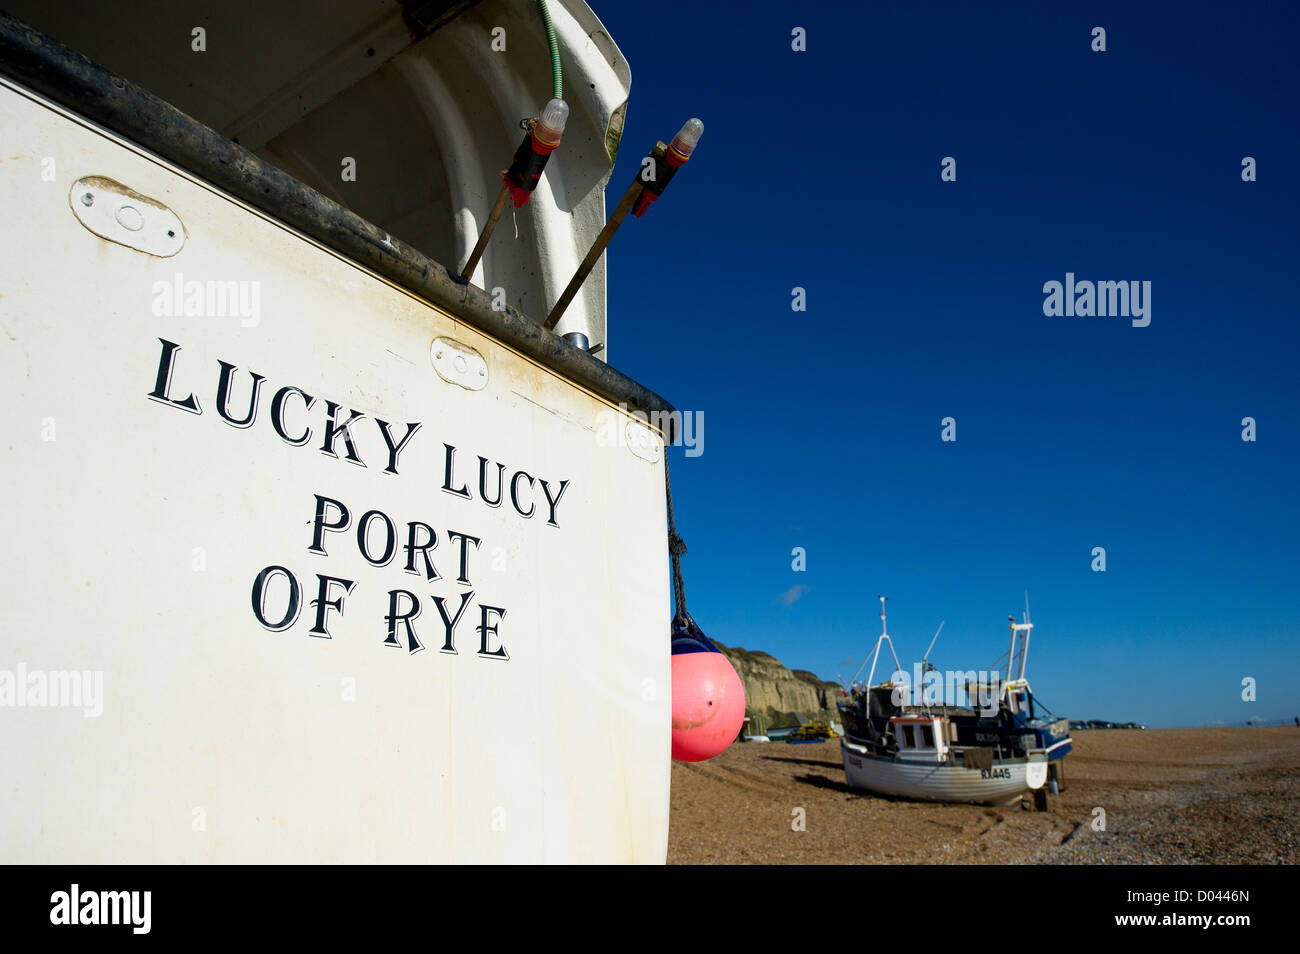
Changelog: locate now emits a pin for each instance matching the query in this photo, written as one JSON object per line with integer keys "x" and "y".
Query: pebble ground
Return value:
{"x": 1172, "y": 796}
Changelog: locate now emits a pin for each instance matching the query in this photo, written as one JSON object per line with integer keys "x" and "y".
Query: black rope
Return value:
{"x": 676, "y": 550}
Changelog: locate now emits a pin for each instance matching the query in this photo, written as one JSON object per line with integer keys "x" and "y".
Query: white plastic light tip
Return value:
{"x": 687, "y": 138}
{"x": 550, "y": 125}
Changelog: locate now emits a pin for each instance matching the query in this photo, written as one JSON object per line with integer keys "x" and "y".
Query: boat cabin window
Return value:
{"x": 915, "y": 736}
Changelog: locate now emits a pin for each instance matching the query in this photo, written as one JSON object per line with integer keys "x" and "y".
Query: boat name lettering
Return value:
{"x": 344, "y": 433}
{"x": 378, "y": 540}
{"x": 279, "y": 594}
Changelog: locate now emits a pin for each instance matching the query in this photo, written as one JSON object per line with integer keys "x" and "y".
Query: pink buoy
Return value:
{"x": 708, "y": 696}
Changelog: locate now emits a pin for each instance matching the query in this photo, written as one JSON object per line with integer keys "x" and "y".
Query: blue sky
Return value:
{"x": 821, "y": 169}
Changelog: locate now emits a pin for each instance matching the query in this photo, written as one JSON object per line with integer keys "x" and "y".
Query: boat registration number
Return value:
{"x": 995, "y": 773}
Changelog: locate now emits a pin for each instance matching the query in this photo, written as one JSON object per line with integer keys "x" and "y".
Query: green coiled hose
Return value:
{"x": 557, "y": 76}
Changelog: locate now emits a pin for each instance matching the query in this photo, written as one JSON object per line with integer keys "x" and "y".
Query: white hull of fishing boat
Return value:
{"x": 932, "y": 780}
{"x": 252, "y": 691}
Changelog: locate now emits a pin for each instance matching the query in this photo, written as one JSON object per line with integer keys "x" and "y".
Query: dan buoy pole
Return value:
{"x": 657, "y": 171}
{"x": 519, "y": 181}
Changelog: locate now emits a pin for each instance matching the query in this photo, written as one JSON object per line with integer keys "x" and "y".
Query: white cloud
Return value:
{"x": 793, "y": 595}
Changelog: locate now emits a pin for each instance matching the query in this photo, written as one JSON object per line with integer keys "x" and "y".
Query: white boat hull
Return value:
{"x": 942, "y": 781}
{"x": 217, "y": 726}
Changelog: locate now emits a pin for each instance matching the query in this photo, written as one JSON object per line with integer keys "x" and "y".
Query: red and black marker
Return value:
{"x": 519, "y": 181}
{"x": 658, "y": 170}
{"x": 530, "y": 158}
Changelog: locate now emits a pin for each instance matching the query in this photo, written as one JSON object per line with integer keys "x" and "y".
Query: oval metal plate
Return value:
{"x": 458, "y": 363}
{"x": 120, "y": 214}
{"x": 643, "y": 440}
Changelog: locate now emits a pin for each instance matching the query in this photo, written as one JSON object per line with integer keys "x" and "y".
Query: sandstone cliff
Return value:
{"x": 779, "y": 696}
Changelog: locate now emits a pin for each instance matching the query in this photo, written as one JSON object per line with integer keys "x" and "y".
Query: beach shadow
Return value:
{"x": 830, "y": 784}
{"x": 844, "y": 788}
{"x": 813, "y": 762}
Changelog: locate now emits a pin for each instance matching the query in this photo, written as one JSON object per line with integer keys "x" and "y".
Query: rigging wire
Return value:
{"x": 676, "y": 550}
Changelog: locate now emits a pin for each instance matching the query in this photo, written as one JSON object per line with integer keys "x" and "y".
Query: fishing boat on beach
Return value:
{"x": 901, "y": 741}
{"x": 344, "y": 481}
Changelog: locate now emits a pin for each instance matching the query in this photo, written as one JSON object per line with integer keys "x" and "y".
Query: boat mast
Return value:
{"x": 1011, "y": 653}
{"x": 925, "y": 660}
{"x": 1024, "y": 649}
{"x": 881, "y": 640}
{"x": 1018, "y": 683}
